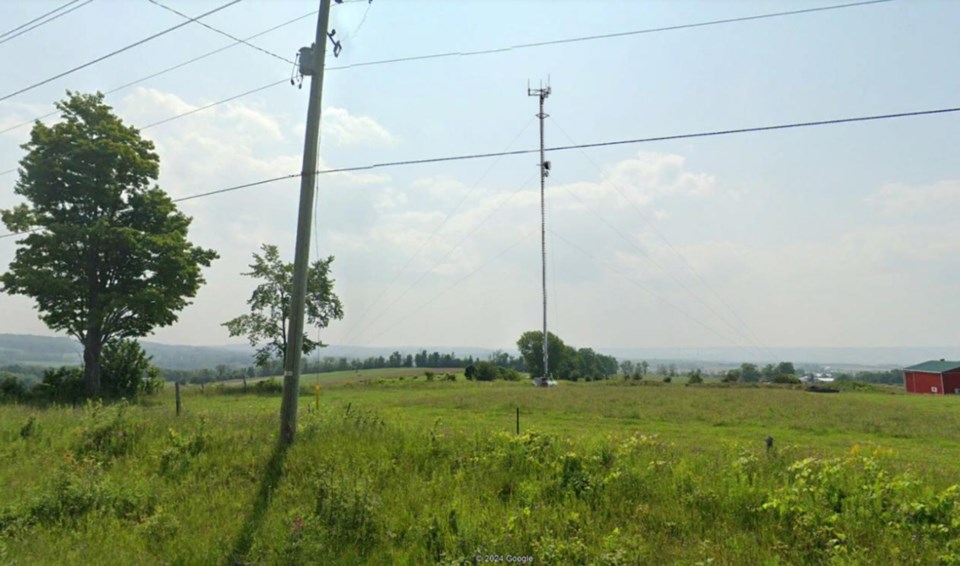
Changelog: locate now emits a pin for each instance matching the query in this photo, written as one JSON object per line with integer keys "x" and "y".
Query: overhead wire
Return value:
{"x": 543, "y": 43}
{"x": 116, "y": 52}
{"x": 7, "y": 36}
{"x": 212, "y": 104}
{"x": 505, "y": 49}
{"x": 479, "y": 52}
{"x": 223, "y": 33}
{"x": 40, "y": 17}
{"x": 173, "y": 68}
{"x": 472, "y": 156}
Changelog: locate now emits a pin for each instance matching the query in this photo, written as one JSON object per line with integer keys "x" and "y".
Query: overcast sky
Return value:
{"x": 842, "y": 235}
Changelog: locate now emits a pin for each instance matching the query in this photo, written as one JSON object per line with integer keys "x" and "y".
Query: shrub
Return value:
{"x": 268, "y": 386}
{"x": 126, "y": 371}
{"x": 428, "y": 375}
{"x": 11, "y": 389}
{"x": 64, "y": 385}
{"x": 486, "y": 371}
{"x": 449, "y": 377}
{"x": 667, "y": 379}
{"x": 786, "y": 378}
{"x": 470, "y": 372}
{"x": 694, "y": 378}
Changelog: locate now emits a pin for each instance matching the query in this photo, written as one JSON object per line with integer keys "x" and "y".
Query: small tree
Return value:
{"x": 269, "y": 315}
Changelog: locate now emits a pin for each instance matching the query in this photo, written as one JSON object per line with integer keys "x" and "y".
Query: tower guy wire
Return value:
{"x": 744, "y": 332}
{"x": 439, "y": 226}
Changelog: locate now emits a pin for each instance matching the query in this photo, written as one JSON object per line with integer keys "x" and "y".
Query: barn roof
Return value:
{"x": 936, "y": 366}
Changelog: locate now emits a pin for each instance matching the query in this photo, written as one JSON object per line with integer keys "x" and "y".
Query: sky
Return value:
{"x": 841, "y": 235}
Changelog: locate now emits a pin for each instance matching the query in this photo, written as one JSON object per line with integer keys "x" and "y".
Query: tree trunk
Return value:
{"x": 91, "y": 365}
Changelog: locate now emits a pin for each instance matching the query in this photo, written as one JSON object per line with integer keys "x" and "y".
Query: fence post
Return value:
{"x": 176, "y": 387}
{"x": 518, "y": 421}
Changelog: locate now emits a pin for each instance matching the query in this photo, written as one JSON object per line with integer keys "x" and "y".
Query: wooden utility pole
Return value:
{"x": 311, "y": 64}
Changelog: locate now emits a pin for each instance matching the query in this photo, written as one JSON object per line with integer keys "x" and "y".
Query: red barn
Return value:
{"x": 937, "y": 377}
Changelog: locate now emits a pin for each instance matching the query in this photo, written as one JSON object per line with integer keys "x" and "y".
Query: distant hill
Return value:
{"x": 52, "y": 351}
{"x": 847, "y": 358}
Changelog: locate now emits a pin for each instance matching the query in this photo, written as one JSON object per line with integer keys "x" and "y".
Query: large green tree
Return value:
{"x": 530, "y": 345}
{"x": 266, "y": 325}
{"x": 107, "y": 256}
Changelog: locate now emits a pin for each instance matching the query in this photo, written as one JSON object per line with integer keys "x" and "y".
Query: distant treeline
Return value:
{"x": 889, "y": 377}
{"x": 421, "y": 359}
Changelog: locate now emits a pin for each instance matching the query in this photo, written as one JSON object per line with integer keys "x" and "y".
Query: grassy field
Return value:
{"x": 406, "y": 471}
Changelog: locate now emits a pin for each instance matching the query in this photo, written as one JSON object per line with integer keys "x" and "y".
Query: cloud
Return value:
{"x": 900, "y": 199}
{"x": 348, "y": 129}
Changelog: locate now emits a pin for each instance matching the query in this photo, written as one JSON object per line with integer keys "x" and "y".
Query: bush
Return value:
{"x": 268, "y": 386}
{"x": 667, "y": 379}
{"x": 11, "y": 389}
{"x": 126, "y": 371}
{"x": 694, "y": 378}
{"x": 63, "y": 385}
{"x": 486, "y": 371}
{"x": 786, "y": 378}
{"x": 470, "y": 372}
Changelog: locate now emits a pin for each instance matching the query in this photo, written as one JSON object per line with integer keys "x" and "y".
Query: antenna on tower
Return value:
{"x": 542, "y": 93}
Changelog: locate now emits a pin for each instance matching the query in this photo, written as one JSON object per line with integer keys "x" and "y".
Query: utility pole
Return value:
{"x": 311, "y": 64}
{"x": 543, "y": 93}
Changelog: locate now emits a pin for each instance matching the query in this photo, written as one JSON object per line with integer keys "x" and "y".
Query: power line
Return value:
{"x": 520, "y": 46}
{"x": 115, "y": 52}
{"x": 212, "y": 104}
{"x": 173, "y": 68}
{"x": 490, "y": 51}
{"x": 223, "y": 33}
{"x": 7, "y": 36}
{"x": 472, "y": 156}
{"x": 40, "y": 17}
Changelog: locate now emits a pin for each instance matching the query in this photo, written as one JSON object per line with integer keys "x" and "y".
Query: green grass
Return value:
{"x": 391, "y": 471}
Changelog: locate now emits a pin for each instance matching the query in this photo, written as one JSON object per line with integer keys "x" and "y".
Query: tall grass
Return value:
{"x": 387, "y": 474}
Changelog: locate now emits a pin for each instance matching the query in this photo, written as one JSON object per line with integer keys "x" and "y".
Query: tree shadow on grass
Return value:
{"x": 268, "y": 484}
